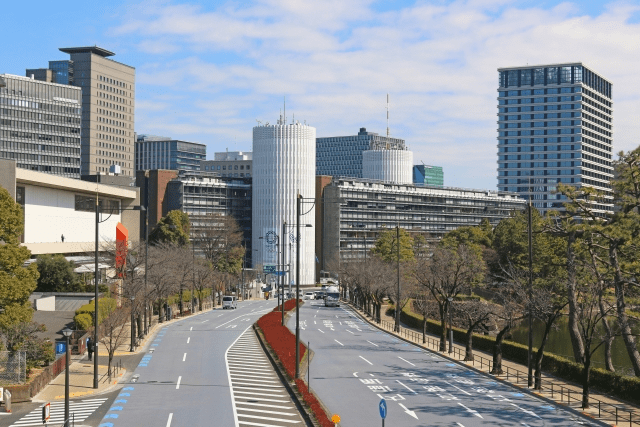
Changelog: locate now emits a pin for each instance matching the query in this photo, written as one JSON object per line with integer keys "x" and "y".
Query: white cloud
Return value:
{"x": 336, "y": 60}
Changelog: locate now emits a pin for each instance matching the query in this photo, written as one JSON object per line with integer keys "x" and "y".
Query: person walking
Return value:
{"x": 90, "y": 348}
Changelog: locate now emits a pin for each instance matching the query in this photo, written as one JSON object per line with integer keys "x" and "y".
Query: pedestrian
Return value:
{"x": 62, "y": 238}
{"x": 90, "y": 348}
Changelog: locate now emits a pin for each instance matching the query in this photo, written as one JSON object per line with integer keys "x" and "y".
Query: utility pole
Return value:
{"x": 298, "y": 208}
{"x": 281, "y": 244}
{"x": 397, "y": 326}
{"x": 530, "y": 350}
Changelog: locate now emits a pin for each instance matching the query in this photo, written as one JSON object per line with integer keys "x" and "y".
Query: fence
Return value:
{"x": 13, "y": 367}
{"x": 606, "y": 410}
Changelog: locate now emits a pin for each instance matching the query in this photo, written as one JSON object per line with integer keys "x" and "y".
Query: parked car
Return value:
{"x": 308, "y": 295}
{"x": 229, "y": 302}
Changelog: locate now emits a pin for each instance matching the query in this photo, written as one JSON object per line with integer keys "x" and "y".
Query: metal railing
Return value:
{"x": 567, "y": 395}
{"x": 114, "y": 370}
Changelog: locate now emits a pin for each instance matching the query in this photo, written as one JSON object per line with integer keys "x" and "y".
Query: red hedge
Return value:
{"x": 283, "y": 342}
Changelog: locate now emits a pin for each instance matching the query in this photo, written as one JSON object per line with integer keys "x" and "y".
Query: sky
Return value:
{"x": 207, "y": 72}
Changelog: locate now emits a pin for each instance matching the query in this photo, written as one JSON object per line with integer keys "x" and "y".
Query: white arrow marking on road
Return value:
{"x": 473, "y": 411}
{"x": 372, "y": 343}
{"x": 525, "y": 410}
{"x": 406, "y": 361}
{"x": 355, "y": 374}
{"x": 465, "y": 392}
{"x": 365, "y": 360}
{"x": 413, "y": 414}
{"x": 398, "y": 381}
{"x": 460, "y": 424}
{"x": 339, "y": 342}
{"x": 178, "y": 383}
{"x": 169, "y": 420}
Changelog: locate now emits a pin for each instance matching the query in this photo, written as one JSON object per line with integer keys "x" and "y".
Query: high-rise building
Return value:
{"x": 428, "y": 175}
{"x": 40, "y": 125}
{"x": 283, "y": 165}
{"x": 160, "y": 152}
{"x": 342, "y": 155}
{"x": 108, "y": 106}
{"x": 235, "y": 164}
{"x": 555, "y": 126}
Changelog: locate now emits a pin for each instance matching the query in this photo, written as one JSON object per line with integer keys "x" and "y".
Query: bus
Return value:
{"x": 332, "y": 297}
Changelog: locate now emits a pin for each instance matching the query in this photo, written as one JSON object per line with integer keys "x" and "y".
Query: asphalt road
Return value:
{"x": 355, "y": 366}
{"x": 183, "y": 379}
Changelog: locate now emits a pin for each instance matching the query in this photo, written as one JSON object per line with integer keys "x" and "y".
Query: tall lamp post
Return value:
{"x": 530, "y": 350}
{"x": 133, "y": 344}
{"x": 67, "y": 333}
{"x": 299, "y": 201}
{"x": 397, "y": 323}
{"x": 96, "y": 317}
{"x": 450, "y": 299}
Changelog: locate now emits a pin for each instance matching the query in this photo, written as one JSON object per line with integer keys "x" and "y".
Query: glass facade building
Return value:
{"x": 428, "y": 175}
{"x": 341, "y": 156}
{"x": 554, "y": 126}
{"x": 62, "y": 72}
{"x": 158, "y": 152}
{"x": 40, "y": 125}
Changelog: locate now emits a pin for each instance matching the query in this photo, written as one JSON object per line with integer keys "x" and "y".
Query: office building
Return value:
{"x": 108, "y": 106}
{"x": 160, "y": 152}
{"x": 386, "y": 165}
{"x": 59, "y": 212}
{"x": 428, "y": 175}
{"x": 235, "y": 164}
{"x": 351, "y": 227}
{"x": 284, "y": 164}
{"x": 60, "y": 72}
{"x": 40, "y": 125}
{"x": 341, "y": 156}
{"x": 554, "y": 126}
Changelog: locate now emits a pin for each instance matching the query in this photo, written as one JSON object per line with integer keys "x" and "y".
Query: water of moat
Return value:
{"x": 559, "y": 343}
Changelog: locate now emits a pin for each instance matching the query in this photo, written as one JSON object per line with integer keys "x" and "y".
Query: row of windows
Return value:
{"x": 54, "y": 108}
{"x": 114, "y": 82}
{"x": 39, "y": 158}
{"x": 58, "y": 170}
{"x": 88, "y": 204}
{"x": 39, "y": 126}
{"x": 538, "y": 116}
{"x": 529, "y": 92}
{"x": 25, "y": 146}
{"x": 564, "y": 131}
{"x": 564, "y": 164}
{"x": 541, "y": 156}
{"x": 538, "y": 124}
{"x": 63, "y": 140}
{"x": 29, "y": 115}
{"x": 540, "y": 181}
{"x": 38, "y": 90}
{"x": 539, "y": 172}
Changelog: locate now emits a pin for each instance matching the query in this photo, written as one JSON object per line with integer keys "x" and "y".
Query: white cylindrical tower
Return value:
{"x": 284, "y": 163}
{"x": 388, "y": 165}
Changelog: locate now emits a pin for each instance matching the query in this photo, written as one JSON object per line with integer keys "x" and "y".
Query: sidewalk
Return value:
{"x": 604, "y": 408}
{"x": 81, "y": 369}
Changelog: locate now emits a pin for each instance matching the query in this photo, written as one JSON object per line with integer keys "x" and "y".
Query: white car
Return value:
{"x": 308, "y": 295}
{"x": 229, "y": 302}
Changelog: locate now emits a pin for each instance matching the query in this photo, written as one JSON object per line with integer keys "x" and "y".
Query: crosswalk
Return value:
{"x": 259, "y": 398}
{"x": 79, "y": 410}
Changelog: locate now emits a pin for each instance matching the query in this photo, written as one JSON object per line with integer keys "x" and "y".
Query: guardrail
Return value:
{"x": 605, "y": 410}
{"x": 113, "y": 371}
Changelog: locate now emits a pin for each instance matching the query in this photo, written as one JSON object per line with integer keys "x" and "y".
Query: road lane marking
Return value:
{"x": 321, "y": 330}
{"x": 412, "y": 413}
{"x": 473, "y": 411}
{"x": 184, "y": 357}
{"x": 178, "y": 383}
{"x": 350, "y": 332}
{"x": 191, "y": 328}
{"x": 372, "y": 343}
{"x": 465, "y": 392}
{"x": 403, "y": 385}
{"x": 365, "y": 360}
{"x": 205, "y": 321}
{"x": 188, "y": 340}
{"x": 339, "y": 342}
{"x": 406, "y": 361}
{"x": 169, "y": 420}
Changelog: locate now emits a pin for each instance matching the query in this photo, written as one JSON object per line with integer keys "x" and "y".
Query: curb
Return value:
{"x": 297, "y": 400}
{"x": 485, "y": 374}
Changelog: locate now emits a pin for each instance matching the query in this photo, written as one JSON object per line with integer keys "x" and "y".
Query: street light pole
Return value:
{"x": 450, "y": 325}
{"x": 530, "y": 350}
{"x": 146, "y": 255}
{"x": 397, "y": 325}
{"x": 67, "y": 333}
{"x": 96, "y": 318}
{"x": 281, "y": 245}
{"x": 193, "y": 286}
{"x": 132, "y": 348}
{"x": 298, "y": 206}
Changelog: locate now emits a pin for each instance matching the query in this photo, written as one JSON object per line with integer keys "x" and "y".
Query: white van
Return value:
{"x": 229, "y": 302}
{"x": 332, "y": 298}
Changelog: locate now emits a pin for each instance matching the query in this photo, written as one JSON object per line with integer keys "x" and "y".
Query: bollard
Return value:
{"x": 7, "y": 400}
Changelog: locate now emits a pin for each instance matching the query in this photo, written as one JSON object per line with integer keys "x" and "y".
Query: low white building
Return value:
{"x": 59, "y": 212}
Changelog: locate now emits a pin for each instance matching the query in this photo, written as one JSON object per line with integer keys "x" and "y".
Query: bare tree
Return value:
{"x": 446, "y": 274}
{"x": 424, "y": 305}
{"x": 203, "y": 279}
{"x": 475, "y": 315}
{"x": 112, "y": 330}
{"x": 159, "y": 275}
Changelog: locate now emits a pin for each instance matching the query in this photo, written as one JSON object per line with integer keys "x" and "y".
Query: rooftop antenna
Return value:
{"x": 387, "y": 115}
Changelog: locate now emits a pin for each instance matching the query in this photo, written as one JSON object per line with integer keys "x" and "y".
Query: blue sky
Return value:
{"x": 207, "y": 71}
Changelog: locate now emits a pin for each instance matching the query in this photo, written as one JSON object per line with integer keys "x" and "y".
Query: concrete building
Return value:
{"x": 284, "y": 164}
{"x": 351, "y": 226}
{"x": 160, "y": 152}
{"x": 108, "y": 107}
{"x": 341, "y": 156}
{"x": 40, "y": 125}
{"x": 428, "y": 175}
{"x": 386, "y": 165}
{"x": 235, "y": 164}
{"x": 555, "y": 125}
{"x": 56, "y": 206}
{"x": 153, "y": 191}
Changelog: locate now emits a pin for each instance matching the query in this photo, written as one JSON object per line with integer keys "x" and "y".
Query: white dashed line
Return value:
{"x": 365, "y": 360}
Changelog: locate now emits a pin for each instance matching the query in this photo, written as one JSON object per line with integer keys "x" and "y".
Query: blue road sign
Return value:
{"x": 269, "y": 269}
{"x": 279, "y": 273}
{"x": 383, "y": 408}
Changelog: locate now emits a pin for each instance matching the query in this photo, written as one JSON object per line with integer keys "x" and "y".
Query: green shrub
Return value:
{"x": 105, "y": 305}
{"x": 83, "y": 321}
